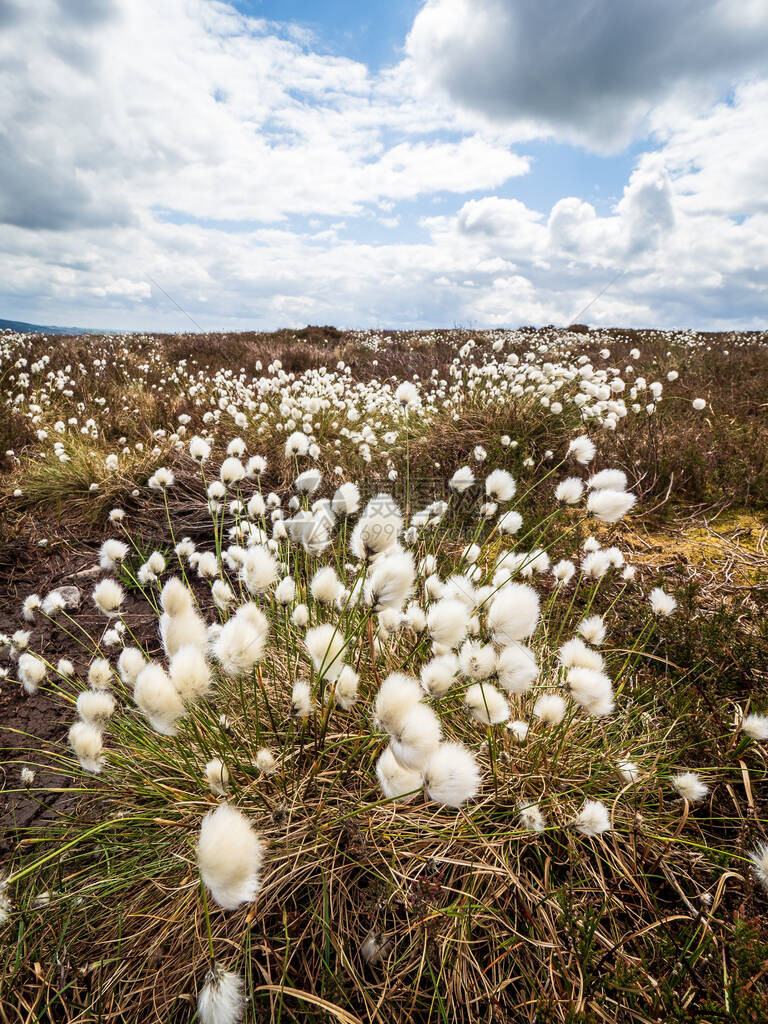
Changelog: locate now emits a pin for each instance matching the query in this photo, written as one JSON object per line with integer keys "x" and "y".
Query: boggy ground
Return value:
{"x": 700, "y": 529}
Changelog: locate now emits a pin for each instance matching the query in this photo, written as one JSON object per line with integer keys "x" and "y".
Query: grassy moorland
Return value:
{"x": 384, "y": 677}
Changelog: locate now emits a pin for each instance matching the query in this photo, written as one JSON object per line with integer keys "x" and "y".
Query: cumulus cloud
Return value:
{"x": 589, "y": 69}
{"x": 264, "y": 184}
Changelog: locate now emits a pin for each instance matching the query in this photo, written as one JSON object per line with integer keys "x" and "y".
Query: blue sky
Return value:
{"x": 409, "y": 164}
{"x": 373, "y": 33}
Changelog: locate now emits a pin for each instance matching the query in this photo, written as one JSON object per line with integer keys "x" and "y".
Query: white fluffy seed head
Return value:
{"x": 346, "y": 687}
{"x": 346, "y": 500}
{"x": 108, "y": 595}
{"x": 593, "y": 819}
{"x": 229, "y": 856}
{"x": 129, "y": 664}
{"x": 300, "y": 616}
{"x": 240, "y": 644}
{"x": 417, "y": 737}
{"x": 100, "y": 674}
{"x": 439, "y": 674}
{"x": 326, "y": 585}
{"x": 462, "y": 480}
{"x": 390, "y": 581}
{"x": 592, "y": 629}
{"x": 516, "y": 668}
{"x": 563, "y": 571}
{"x": 569, "y": 491}
{"x": 500, "y": 485}
{"x": 628, "y": 770}
{"x": 397, "y": 695}
{"x": 550, "y": 708}
{"x": 582, "y": 449}
{"x": 451, "y": 775}
{"x": 285, "y": 591}
{"x": 221, "y": 998}
{"x": 31, "y": 672}
{"x": 575, "y": 654}
{"x": 378, "y": 527}
{"x": 111, "y": 552}
{"x": 477, "y": 661}
{"x": 85, "y": 740}
{"x": 448, "y": 622}
{"x": 30, "y": 606}
{"x": 486, "y": 704}
{"x": 156, "y": 697}
{"x": 514, "y": 613}
{"x": 396, "y": 781}
{"x": 222, "y": 594}
{"x": 591, "y": 690}
{"x": 755, "y": 726}
{"x": 301, "y": 699}
{"x": 531, "y": 818}
{"x": 95, "y": 707}
{"x": 690, "y": 786}
{"x": 189, "y": 673}
{"x": 759, "y": 858}
{"x": 610, "y": 506}
{"x": 265, "y": 761}
{"x": 326, "y": 646}
{"x": 259, "y": 570}
{"x": 608, "y": 480}
{"x": 232, "y": 471}
{"x": 519, "y": 731}
{"x": 510, "y": 522}
{"x": 175, "y": 598}
{"x": 661, "y": 603}
{"x": 415, "y": 617}
{"x": 217, "y": 776}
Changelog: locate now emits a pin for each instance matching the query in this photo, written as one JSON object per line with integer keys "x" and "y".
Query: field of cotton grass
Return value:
{"x": 375, "y": 677}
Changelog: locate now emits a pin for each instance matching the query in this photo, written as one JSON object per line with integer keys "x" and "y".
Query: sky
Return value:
{"x": 254, "y": 164}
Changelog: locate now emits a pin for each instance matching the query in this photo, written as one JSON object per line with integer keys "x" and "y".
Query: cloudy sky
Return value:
{"x": 265, "y": 163}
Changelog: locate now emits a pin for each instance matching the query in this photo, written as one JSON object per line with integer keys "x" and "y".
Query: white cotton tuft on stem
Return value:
{"x": 229, "y": 856}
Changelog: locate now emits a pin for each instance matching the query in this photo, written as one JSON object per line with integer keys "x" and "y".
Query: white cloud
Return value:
{"x": 225, "y": 159}
{"x": 589, "y": 70}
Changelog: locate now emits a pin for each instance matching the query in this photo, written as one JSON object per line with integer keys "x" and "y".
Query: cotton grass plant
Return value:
{"x": 338, "y": 751}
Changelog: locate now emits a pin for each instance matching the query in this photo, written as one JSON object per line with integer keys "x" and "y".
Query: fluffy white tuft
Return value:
{"x": 229, "y": 855}
{"x": 417, "y": 737}
{"x": 157, "y": 698}
{"x": 755, "y": 726}
{"x": 85, "y": 740}
{"x": 326, "y": 646}
{"x": 240, "y": 644}
{"x": 610, "y": 506}
{"x": 550, "y": 708}
{"x": 439, "y": 674}
{"x": 397, "y": 695}
{"x": 514, "y": 613}
{"x": 593, "y": 819}
{"x": 452, "y": 775}
{"x": 259, "y": 570}
{"x": 516, "y": 668}
{"x": 592, "y": 629}
{"x": 221, "y": 998}
{"x": 486, "y": 704}
{"x": 661, "y": 603}
{"x": 531, "y": 818}
{"x": 108, "y": 595}
{"x": 189, "y": 673}
{"x": 448, "y": 622}
{"x": 396, "y": 782}
{"x": 690, "y": 786}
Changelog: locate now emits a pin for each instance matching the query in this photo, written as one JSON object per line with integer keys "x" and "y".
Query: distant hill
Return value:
{"x": 22, "y": 328}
